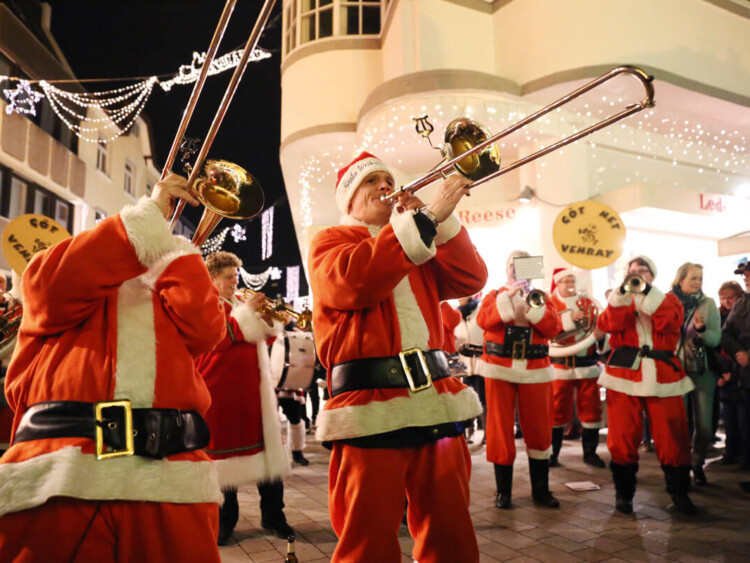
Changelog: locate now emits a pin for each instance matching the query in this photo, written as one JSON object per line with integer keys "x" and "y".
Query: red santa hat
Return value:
{"x": 558, "y": 274}
{"x": 648, "y": 262}
{"x": 351, "y": 176}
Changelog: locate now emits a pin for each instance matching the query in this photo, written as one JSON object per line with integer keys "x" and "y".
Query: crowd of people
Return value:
{"x": 143, "y": 397}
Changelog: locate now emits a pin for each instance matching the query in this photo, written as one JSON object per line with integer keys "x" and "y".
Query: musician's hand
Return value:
{"x": 449, "y": 194}
{"x": 408, "y": 201}
{"x": 257, "y": 302}
{"x": 742, "y": 358}
{"x": 172, "y": 188}
{"x": 514, "y": 287}
{"x": 577, "y": 316}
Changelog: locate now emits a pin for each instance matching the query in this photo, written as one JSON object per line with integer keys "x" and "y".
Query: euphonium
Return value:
{"x": 280, "y": 311}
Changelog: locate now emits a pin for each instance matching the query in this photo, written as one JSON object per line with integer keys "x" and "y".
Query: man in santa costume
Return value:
{"x": 113, "y": 318}
{"x": 244, "y": 421}
{"x": 394, "y": 413}
{"x": 643, "y": 375}
{"x": 575, "y": 375}
{"x": 517, "y": 370}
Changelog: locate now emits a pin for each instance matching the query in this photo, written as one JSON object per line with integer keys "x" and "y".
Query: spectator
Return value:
{"x": 728, "y": 381}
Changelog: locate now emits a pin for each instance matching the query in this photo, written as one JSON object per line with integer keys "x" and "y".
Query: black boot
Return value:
{"x": 590, "y": 440}
{"x": 539, "y": 475}
{"x": 557, "y": 438}
{"x": 229, "y": 513}
{"x": 699, "y": 475}
{"x": 272, "y": 508}
{"x": 299, "y": 458}
{"x": 504, "y": 482}
{"x": 624, "y": 478}
{"x": 678, "y": 485}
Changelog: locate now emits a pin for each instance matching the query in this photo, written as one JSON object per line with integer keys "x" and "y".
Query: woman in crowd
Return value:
{"x": 700, "y": 333}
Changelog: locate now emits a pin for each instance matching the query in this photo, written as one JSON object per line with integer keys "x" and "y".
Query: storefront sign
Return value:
{"x": 713, "y": 203}
{"x": 482, "y": 217}
{"x": 589, "y": 234}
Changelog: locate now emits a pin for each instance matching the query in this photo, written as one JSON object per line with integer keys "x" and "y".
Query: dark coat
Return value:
{"x": 735, "y": 336}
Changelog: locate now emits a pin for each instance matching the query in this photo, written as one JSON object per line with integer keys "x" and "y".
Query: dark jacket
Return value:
{"x": 735, "y": 336}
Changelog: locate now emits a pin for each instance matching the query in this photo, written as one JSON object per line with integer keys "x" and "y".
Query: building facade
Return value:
{"x": 354, "y": 73}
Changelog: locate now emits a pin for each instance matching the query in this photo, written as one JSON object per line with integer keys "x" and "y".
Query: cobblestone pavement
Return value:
{"x": 585, "y": 528}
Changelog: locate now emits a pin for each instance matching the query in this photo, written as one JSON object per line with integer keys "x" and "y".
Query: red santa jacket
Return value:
{"x": 243, "y": 417}
{"x": 116, "y": 312}
{"x": 498, "y": 311}
{"x": 565, "y": 306}
{"x": 451, "y": 319}
{"x": 653, "y": 320}
{"x": 377, "y": 292}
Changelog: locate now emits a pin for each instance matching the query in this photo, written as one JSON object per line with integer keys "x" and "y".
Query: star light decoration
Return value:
{"x": 21, "y": 99}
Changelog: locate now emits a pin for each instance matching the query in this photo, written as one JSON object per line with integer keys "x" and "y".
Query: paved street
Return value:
{"x": 586, "y": 528}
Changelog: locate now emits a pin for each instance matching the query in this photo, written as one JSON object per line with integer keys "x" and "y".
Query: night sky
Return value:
{"x": 103, "y": 39}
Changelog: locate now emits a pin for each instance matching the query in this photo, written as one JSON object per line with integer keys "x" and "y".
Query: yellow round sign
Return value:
{"x": 589, "y": 234}
{"x": 28, "y": 234}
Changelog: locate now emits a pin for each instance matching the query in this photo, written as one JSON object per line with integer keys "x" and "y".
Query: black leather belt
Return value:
{"x": 154, "y": 433}
{"x": 413, "y": 369}
{"x": 576, "y": 361}
{"x": 629, "y": 357}
{"x": 518, "y": 351}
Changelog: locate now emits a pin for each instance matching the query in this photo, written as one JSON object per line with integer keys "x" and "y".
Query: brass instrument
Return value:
{"x": 10, "y": 322}
{"x": 535, "y": 298}
{"x": 225, "y": 189}
{"x": 280, "y": 311}
{"x": 634, "y": 284}
{"x": 474, "y": 154}
{"x": 570, "y": 342}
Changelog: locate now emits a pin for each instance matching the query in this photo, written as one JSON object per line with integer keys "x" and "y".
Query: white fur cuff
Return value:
{"x": 617, "y": 299}
{"x": 447, "y": 230}
{"x": 252, "y": 325}
{"x": 505, "y": 307}
{"x": 147, "y": 230}
{"x": 535, "y": 315}
{"x": 652, "y": 301}
{"x": 182, "y": 247}
{"x": 408, "y": 235}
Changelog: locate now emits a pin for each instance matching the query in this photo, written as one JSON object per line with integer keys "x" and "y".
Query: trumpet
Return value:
{"x": 634, "y": 284}
{"x": 535, "y": 298}
{"x": 278, "y": 309}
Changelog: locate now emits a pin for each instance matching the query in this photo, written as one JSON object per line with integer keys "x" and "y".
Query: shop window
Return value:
{"x": 129, "y": 181}
{"x": 17, "y": 198}
{"x": 63, "y": 213}
{"x": 102, "y": 155}
{"x": 42, "y": 202}
{"x": 99, "y": 216}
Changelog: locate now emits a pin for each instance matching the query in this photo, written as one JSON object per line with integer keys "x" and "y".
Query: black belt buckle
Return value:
{"x": 113, "y": 426}
{"x": 519, "y": 350}
{"x": 403, "y": 356}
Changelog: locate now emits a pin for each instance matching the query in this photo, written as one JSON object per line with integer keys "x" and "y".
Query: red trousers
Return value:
{"x": 367, "y": 490}
{"x": 589, "y": 402}
{"x": 534, "y": 414}
{"x": 668, "y": 422}
{"x": 68, "y": 529}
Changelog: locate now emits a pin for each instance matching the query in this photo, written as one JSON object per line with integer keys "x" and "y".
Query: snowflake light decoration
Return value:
{"x": 276, "y": 273}
{"x": 238, "y": 233}
{"x": 22, "y": 99}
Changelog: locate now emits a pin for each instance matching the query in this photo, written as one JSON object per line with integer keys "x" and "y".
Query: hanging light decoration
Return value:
{"x": 292, "y": 283}
{"x": 266, "y": 234}
{"x": 215, "y": 243}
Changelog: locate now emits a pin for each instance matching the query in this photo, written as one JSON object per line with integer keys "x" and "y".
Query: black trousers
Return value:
{"x": 292, "y": 410}
{"x": 271, "y": 505}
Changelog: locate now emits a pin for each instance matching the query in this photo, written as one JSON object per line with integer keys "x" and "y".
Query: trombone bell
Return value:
{"x": 462, "y": 135}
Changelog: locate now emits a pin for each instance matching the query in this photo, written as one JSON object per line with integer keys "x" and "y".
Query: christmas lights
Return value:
{"x": 292, "y": 283}
{"x": 215, "y": 243}
{"x": 21, "y": 99}
{"x": 188, "y": 74}
{"x": 238, "y": 233}
{"x": 266, "y": 234}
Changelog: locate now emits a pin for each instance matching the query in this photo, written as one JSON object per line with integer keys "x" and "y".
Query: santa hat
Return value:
{"x": 647, "y": 261}
{"x": 351, "y": 176}
{"x": 558, "y": 274}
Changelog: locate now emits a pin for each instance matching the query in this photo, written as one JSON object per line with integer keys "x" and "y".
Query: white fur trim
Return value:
{"x": 516, "y": 374}
{"x": 407, "y": 233}
{"x": 567, "y": 321}
{"x": 182, "y": 247}
{"x": 252, "y": 325}
{"x": 68, "y": 472}
{"x": 352, "y": 178}
{"x": 617, "y": 299}
{"x": 424, "y": 408}
{"x": 411, "y": 323}
{"x": 646, "y": 387}
{"x": 534, "y": 316}
{"x": 296, "y": 434}
{"x": 350, "y": 221}
{"x": 147, "y": 230}
{"x": 505, "y": 307}
{"x": 539, "y": 454}
{"x": 592, "y": 425}
{"x": 652, "y": 301}
{"x": 570, "y": 374}
{"x": 447, "y": 230}
{"x": 135, "y": 375}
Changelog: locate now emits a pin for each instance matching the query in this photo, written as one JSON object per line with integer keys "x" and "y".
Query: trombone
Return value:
{"x": 280, "y": 311}
{"x": 481, "y": 162}
{"x": 224, "y": 188}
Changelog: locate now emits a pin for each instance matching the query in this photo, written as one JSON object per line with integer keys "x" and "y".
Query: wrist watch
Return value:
{"x": 427, "y": 213}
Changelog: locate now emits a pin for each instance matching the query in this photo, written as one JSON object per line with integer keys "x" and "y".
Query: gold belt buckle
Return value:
{"x": 402, "y": 356}
{"x": 129, "y": 443}
{"x": 519, "y": 350}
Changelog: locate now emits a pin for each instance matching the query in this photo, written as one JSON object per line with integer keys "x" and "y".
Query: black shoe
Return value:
{"x": 594, "y": 460}
{"x": 728, "y": 459}
{"x": 624, "y": 505}
{"x": 699, "y": 476}
{"x": 279, "y": 527}
{"x": 545, "y": 498}
{"x": 684, "y": 504}
{"x": 502, "y": 500}
{"x": 553, "y": 462}
{"x": 299, "y": 459}
{"x": 225, "y": 537}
